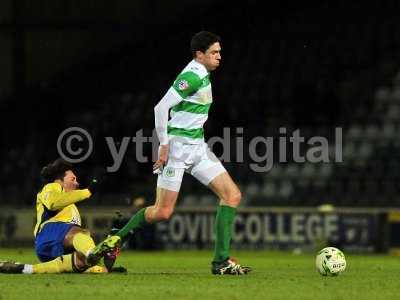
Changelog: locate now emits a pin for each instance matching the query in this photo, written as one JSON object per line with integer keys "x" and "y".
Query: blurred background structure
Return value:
{"x": 103, "y": 65}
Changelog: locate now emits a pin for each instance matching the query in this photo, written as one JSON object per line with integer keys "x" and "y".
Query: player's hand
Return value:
{"x": 162, "y": 158}
{"x": 93, "y": 186}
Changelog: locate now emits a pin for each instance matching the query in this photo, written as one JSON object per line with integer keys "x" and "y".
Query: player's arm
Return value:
{"x": 185, "y": 85}
{"x": 55, "y": 199}
{"x": 161, "y": 110}
{"x": 170, "y": 99}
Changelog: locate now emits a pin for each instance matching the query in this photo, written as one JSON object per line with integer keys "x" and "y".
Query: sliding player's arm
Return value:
{"x": 55, "y": 199}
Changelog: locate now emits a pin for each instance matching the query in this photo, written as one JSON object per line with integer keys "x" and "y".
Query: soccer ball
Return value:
{"x": 330, "y": 261}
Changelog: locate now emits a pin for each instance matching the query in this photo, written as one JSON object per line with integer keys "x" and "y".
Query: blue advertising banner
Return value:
{"x": 274, "y": 230}
{"x": 363, "y": 230}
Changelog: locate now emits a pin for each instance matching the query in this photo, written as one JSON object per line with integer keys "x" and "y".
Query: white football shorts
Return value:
{"x": 196, "y": 159}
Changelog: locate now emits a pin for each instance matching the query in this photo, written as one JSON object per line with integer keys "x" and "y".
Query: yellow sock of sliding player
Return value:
{"x": 83, "y": 243}
{"x": 62, "y": 264}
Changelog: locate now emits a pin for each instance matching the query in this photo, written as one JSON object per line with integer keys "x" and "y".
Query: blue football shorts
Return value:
{"x": 49, "y": 243}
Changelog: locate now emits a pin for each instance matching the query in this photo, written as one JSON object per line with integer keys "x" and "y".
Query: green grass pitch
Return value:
{"x": 186, "y": 275}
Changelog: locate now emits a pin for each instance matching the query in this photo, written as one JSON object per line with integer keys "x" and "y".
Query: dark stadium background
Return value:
{"x": 103, "y": 65}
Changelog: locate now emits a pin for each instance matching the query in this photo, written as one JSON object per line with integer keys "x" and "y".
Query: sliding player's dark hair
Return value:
{"x": 202, "y": 40}
{"x": 55, "y": 170}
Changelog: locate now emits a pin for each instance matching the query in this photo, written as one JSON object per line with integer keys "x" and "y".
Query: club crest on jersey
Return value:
{"x": 76, "y": 220}
{"x": 183, "y": 85}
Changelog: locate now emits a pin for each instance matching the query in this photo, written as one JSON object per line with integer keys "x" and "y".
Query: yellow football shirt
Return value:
{"x": 53, "y": 204}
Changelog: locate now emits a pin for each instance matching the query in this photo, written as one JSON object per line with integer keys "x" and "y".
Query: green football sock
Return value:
{"x": 138, "y": 221}
{"x": 223, "y": 232}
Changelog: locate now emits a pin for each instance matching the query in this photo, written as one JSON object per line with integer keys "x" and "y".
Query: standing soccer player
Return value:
{"x": 183, "y": 149}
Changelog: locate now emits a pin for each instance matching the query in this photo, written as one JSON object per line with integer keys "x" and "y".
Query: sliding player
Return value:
{"x": 61, "y": 244}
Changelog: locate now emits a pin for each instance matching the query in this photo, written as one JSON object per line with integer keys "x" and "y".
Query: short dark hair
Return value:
{"x": 202, "y": 40}
{"x": 55, "y": 170}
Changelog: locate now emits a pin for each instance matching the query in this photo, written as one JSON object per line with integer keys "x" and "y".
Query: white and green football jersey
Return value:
{"x": 188, "y": 116}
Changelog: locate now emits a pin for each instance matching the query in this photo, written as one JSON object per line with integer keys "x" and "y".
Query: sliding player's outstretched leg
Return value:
{"x": 108, "y": 245}
{"x": 82, "y": 242}
{"x": 69, "y": 263}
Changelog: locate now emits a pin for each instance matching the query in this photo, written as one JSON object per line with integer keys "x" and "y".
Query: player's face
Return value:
{"x": 212, "y": 57}
{"x": 70, "y": 182}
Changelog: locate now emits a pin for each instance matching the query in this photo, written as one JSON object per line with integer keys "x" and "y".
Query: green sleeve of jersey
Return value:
{"x": 186, "y": 84}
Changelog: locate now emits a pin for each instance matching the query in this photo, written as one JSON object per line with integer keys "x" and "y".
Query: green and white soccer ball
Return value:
{"x": 330, "y": 261}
